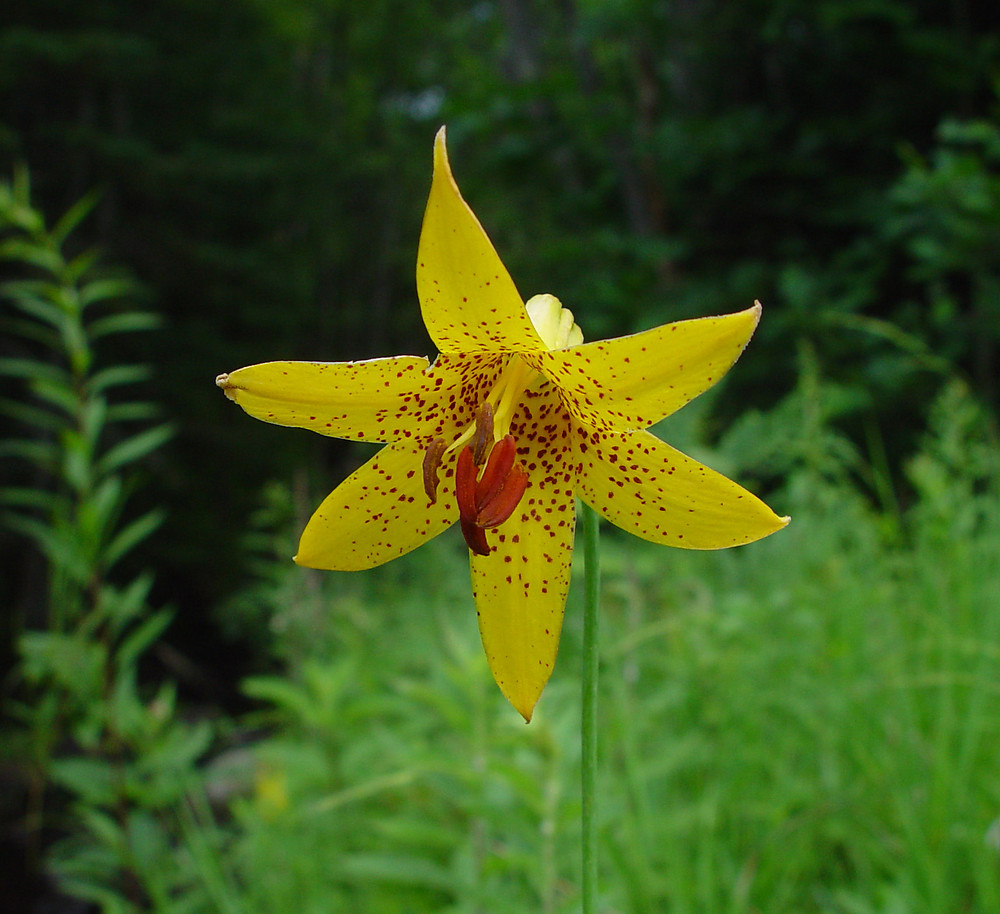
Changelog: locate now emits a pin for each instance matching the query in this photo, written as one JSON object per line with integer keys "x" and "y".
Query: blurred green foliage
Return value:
{"x": 96, "y": 758}
{"x": 807, "y": 724}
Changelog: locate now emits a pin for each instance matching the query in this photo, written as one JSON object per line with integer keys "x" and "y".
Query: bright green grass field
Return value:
{"x": 807, "y": 724}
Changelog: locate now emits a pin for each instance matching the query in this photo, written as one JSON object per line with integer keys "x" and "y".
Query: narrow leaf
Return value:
{"x": 18, "y": 249}
{"x": 31, "y": 369}
{"x": 129, "y": 322}
{"x": 131, "y": 535}
{"x": 41, "y": 453}
{"x": 118, "y": 375}
{"x": 31, "y": 415}
{"x": 74, "y": 216}
{"x": 141, "y": 638}
{"x": 132, "y": 412}
{"x": 134, "y": 448}
{"x": 24, "y": 497}
{"x": 107, "y": 289}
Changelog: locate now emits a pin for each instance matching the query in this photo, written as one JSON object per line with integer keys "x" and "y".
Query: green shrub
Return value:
{"x": 108, "y": 765}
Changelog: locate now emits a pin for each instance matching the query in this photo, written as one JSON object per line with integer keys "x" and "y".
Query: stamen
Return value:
{"x": 465, "y": 485}
{"x": 432, "y": 463}
{"x": 500, "y": 507}
{"x": 489, "y": 501}
{"x": 483, "y": 440}
{"x": 465, "y": 494}
{"x": 496, "y": 470}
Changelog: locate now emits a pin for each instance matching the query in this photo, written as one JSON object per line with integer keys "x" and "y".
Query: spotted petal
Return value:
{"x": 468, "y": 300}
{"x": 521, "y": 586}
{"x": 378, "y": 513}
{"x": 366, "y": 401}
{"x": 646, "y": 487}
{"x": 633, "y": 382}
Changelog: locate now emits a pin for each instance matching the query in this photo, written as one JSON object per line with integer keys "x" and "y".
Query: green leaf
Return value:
{"x": 106, "y": 829}
{"x": 123, "y": 606}
{"x": 132, "y": 412}
{"x": 36, "y": 299}
{"x": 396, "y": 869}
{"x": 31, "y": 330}
{"x": 98, "y": 512}
{"x": 179, "y": 748}
{"x": 42, "y": 454}
{"x": 23, "y": 497}
{"x": 92, "y": 780}
{"x": 31, "y": 252}
{"x": 31, "y": 415}
{"x": 36, "y": 530}
{"x": 107, "y": 290}
{"x": 73, "y": 217}
{"x": 60, "y": 394}
{"x": 286, "y": 695}
{"x": 131, "y": 535}
{"x": 129, "y": 322}
{"x": 138, "y": 640}
{"x": 33, "y": 370}
{"x": 118, "y": 375}
{"x": 132, "y": 449}
{"x": 78, "y": 267}
{"x": 71, "y": 661}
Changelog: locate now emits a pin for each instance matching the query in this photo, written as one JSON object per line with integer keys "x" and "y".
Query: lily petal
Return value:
{"x": 633, "y": 382}
{"x": 380, "y": 512}
{"x": 365, "y": 401}
{"x": 468, "y": 300}
{"x": 646, "y": 487}
{"x": 520, "y": 588}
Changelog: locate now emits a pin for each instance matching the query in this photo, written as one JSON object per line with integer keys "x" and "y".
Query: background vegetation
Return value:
{"x": 192, "y": 725}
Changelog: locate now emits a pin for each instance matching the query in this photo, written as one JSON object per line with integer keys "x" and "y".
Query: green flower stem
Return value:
{"x": 589, "y": 523}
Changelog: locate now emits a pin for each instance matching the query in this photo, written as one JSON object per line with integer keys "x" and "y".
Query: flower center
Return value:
{"x": 489, "y": 498}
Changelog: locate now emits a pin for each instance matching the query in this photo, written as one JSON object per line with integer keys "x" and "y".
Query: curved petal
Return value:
{"x": 520, "y": 587}
{"x": 646, "y": 487}
{"x": 378, "y": 513}
{"x": 468, "y": 300}
{"x": 634, "y": 381}
{"x": 366, "y": 401}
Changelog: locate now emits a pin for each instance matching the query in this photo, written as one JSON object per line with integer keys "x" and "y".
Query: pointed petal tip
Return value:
{"x": 525, "y": 710}
{"x": 226, "y": 386}
{"x": 441, "y": 152}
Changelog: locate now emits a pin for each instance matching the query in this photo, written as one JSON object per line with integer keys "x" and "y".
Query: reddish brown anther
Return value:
{"x": 484, "y": 433}
{"x": 465, "y": 485}
{"x": 489, "y": 501}
{"x": 500, "y": 507}
{"x": 432, "y": 463}
{"x": 497, "y": 467}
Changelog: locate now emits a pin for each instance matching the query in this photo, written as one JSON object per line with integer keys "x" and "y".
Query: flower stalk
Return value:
{"x": 589, "y": 523}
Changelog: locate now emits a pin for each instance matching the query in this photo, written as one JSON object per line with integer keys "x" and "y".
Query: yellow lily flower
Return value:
{"x": 516, "y": 418}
